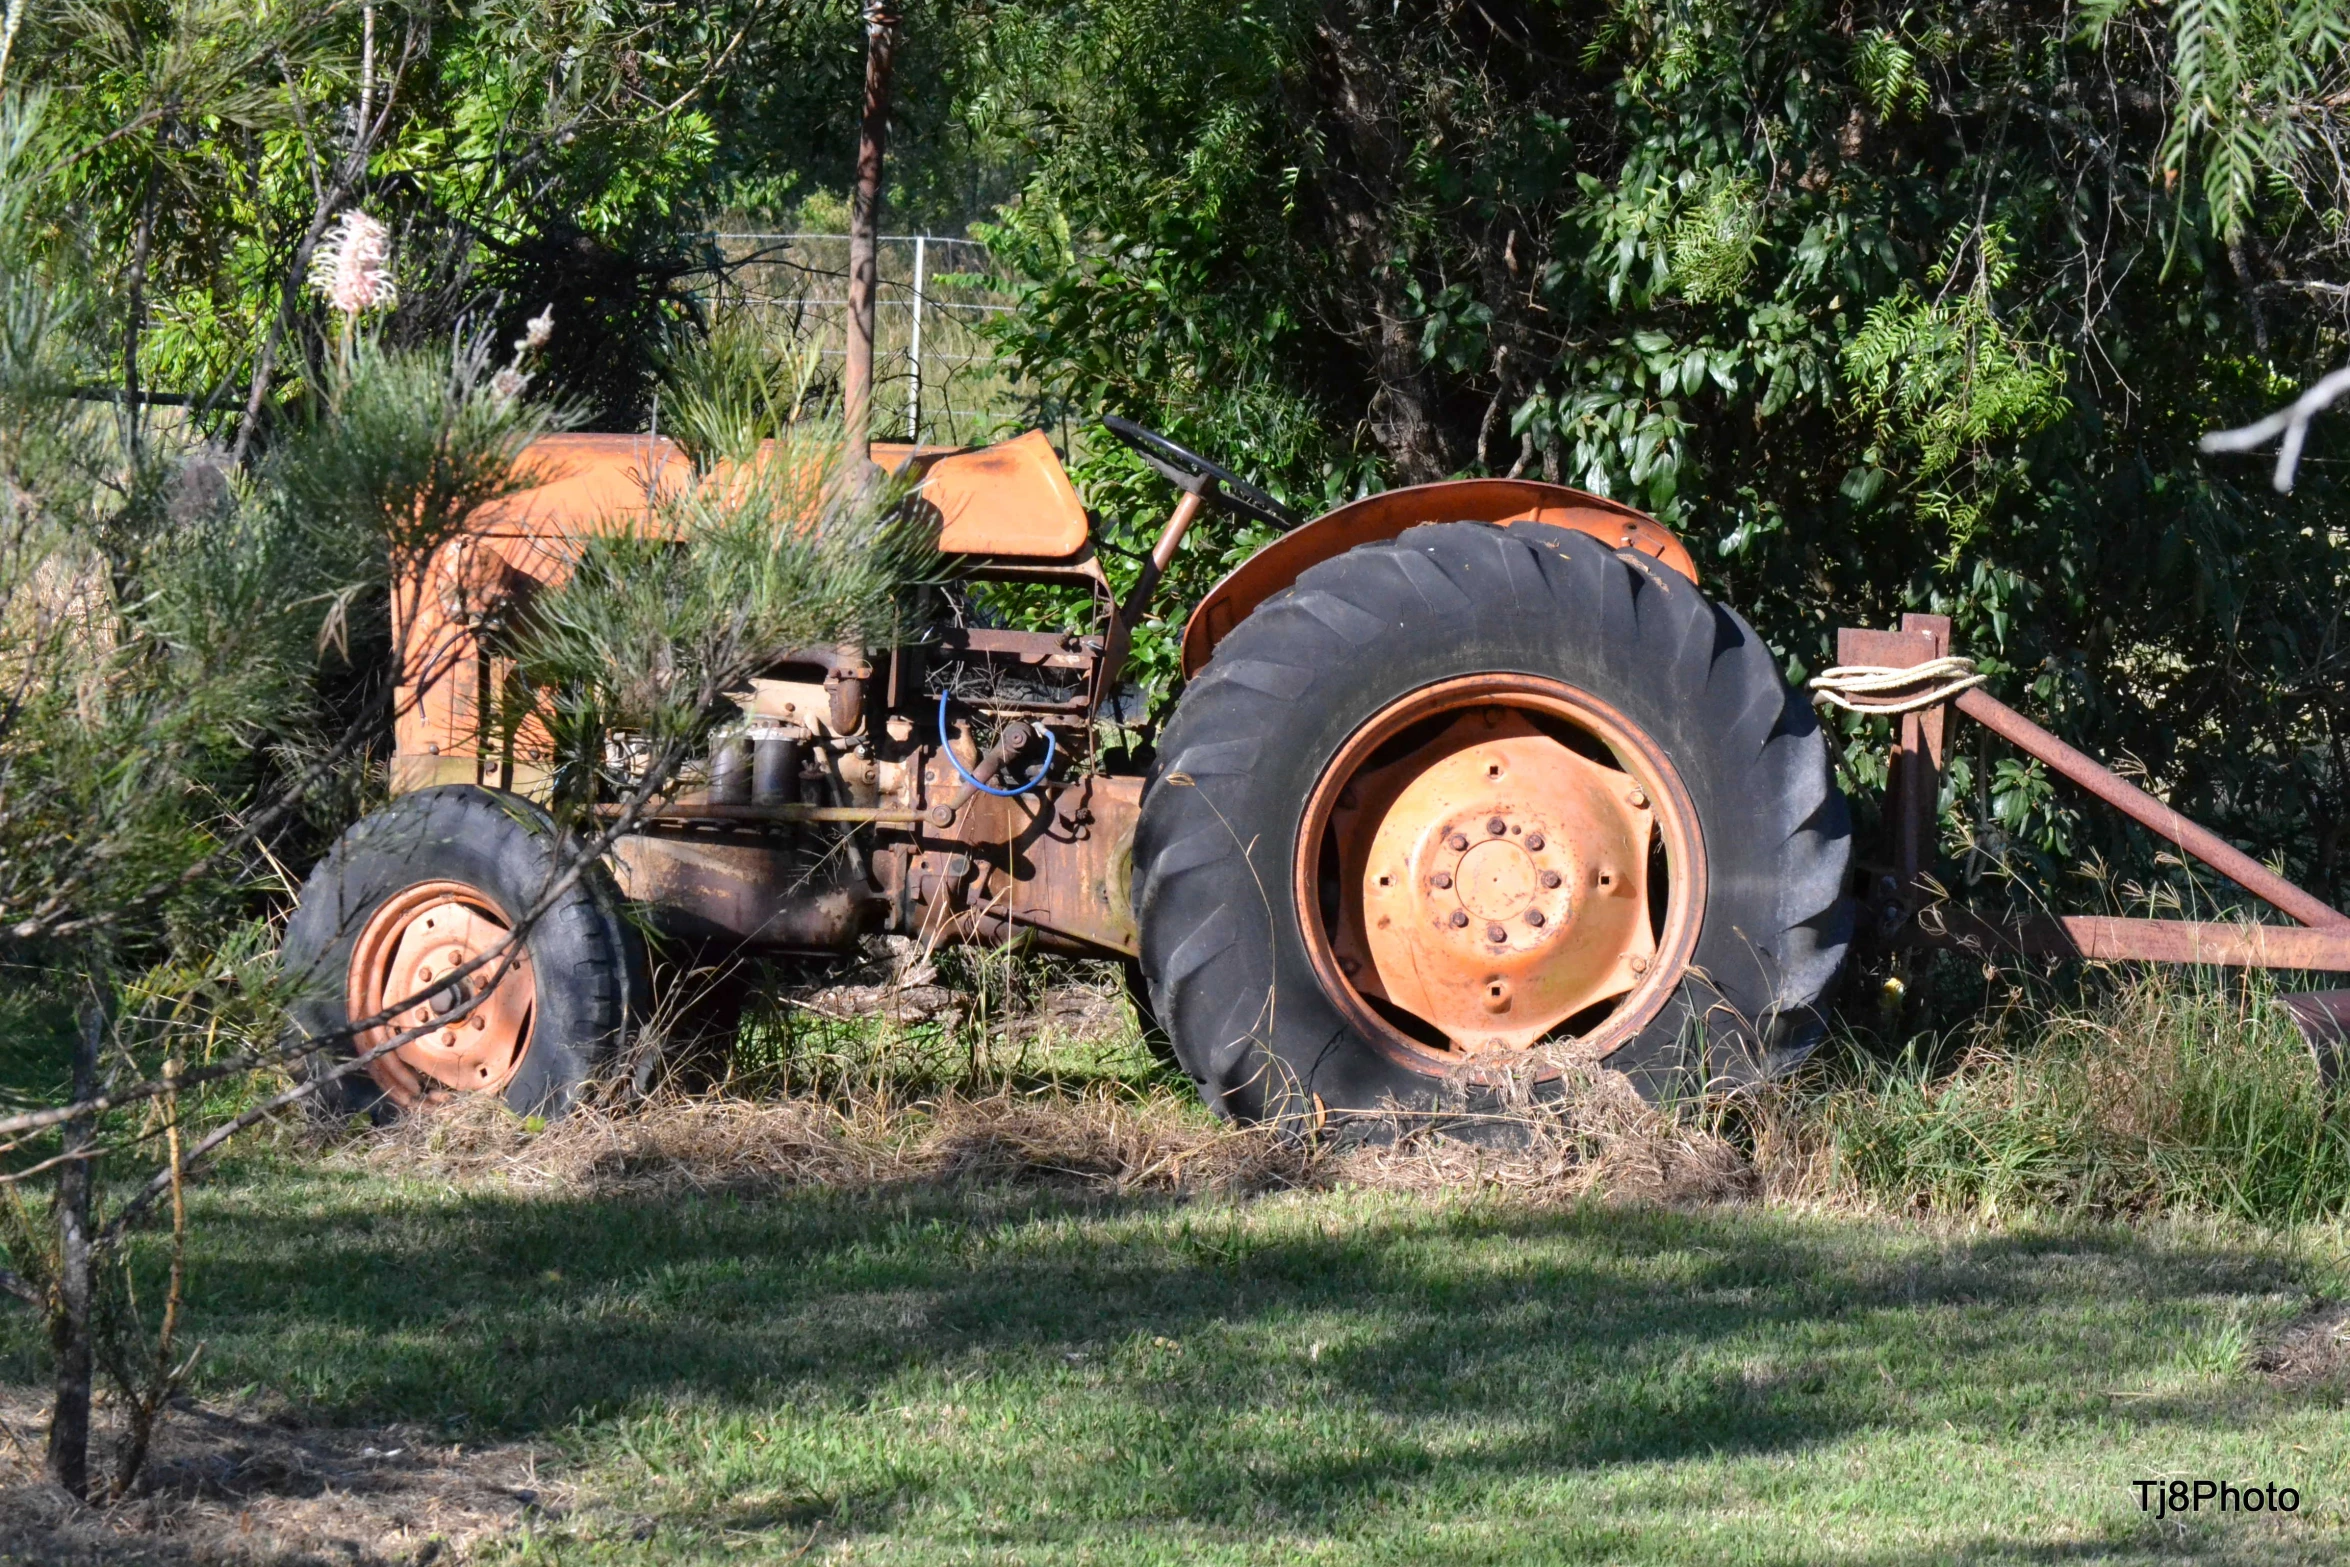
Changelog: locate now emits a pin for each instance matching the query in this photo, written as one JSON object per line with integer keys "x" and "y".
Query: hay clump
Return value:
{"x": 2311, "y": 1351}
{"x": 1590, "y": 1135}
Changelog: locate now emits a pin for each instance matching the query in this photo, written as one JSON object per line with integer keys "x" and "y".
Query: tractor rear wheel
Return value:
{"x": 423, "y": 887}
{"x": 1478, "y": 805}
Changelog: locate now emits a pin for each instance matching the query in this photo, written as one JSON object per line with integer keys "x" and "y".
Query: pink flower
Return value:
{"x": 351, "y": 268}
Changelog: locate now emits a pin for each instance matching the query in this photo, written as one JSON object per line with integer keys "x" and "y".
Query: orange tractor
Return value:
{"x": 1469, "y": 783}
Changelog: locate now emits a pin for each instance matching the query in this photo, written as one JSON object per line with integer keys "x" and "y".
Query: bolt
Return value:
{"x": 1493, "y": 718}
{"x": 1550, "y": 879}
{"x": 1441, "y": 880}
{"x": 1496, "y": 933}
{"x": 1459, "y": 919}
{"x": 1534, "y": 918}
{"x": 1535, "y": 841}
{"x": 1456, "y": 843}
{"x": 1638, "y": 797}
{"x": 1350, "y": 967}
{"x": 1640, "y": 965}
{"x": 1496, "y": 826}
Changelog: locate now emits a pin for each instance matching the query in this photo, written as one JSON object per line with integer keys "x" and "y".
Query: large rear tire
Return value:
{"x": 1474, "y": 805}
{"x": 434, "y": 879}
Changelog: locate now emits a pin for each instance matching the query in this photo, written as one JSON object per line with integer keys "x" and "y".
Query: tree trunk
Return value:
{"x": 881, "y": 42}
{"x": 1362, "y": 195}
{"x": 69, "y": 1419}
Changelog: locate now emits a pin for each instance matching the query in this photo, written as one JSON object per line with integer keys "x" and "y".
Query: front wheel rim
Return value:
{"x": 1496, "y": 872}
{"x": 421, "y": 933}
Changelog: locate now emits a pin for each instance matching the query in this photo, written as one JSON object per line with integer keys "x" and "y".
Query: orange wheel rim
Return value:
{"x": 1499, "y": 871}
{"x": 418, "y": 936}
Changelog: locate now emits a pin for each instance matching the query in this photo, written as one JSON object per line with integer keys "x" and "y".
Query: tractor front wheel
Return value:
{"x": 418, "y": 891}
{"x": 1479, "y": 805}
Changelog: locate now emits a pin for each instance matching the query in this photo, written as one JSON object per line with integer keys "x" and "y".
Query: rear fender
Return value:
{"x": 1383, "y": 516}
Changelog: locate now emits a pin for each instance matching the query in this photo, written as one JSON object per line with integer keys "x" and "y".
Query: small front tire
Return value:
{"x": 433, "y": 880}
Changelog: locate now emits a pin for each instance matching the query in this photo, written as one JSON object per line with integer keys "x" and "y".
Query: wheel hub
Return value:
{"x": 425, "y": 934}
{"x": 1504, "y": 882}
{"x": 1497, "y": 880}
{"x": 1494, "y": 862}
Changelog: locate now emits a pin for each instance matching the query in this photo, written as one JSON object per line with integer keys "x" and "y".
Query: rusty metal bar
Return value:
{"x": 2150, "y": 813}
{"x": 1138, "y": 598}
{"x": 694, "y": 811}
{"x": 2103, "y": 938}
{"x": 1921, "y": 757}
{"x": 1913, "y": 784}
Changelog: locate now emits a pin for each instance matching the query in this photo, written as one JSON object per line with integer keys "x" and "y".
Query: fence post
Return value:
{"x": 914, "y": 401}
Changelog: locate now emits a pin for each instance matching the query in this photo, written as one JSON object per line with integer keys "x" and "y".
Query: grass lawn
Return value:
{"x": 1016, "y": 1374}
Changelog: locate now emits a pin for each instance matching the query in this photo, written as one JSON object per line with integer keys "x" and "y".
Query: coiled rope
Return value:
{"x": 1878, "y": 688}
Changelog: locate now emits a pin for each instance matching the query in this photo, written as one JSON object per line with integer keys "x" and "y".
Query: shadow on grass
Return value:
{"x": 1280, "y": 1356}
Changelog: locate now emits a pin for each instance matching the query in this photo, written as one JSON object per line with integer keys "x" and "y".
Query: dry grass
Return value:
{"x": 2311, "y": 1351}
{"x": 1596, "y": 1139}
{"x": 1114, "y": 1143}
{"x": 241, "y": 1485}
{"x": 1600, "y": 1139}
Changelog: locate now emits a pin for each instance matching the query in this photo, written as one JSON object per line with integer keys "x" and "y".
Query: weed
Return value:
{"x": 2177, "y": 1090}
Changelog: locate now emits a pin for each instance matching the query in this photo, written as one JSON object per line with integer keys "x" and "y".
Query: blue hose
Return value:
{"x": 968, "y": 777}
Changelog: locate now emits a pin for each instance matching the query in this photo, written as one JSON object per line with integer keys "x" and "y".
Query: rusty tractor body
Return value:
{"x": 1487, "y": 867}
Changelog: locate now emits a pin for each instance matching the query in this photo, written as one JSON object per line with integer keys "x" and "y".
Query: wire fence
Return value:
{"x": 936, "y": 375}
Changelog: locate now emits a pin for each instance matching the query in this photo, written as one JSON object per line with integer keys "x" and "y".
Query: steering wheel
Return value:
{"x": 1189, "y": 471}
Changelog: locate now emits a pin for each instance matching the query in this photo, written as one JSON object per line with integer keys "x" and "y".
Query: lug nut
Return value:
{"x": 1350, "y": 967}
{"x": 1496, "y": 933}
{"x": 1441, "y": 880}
{"x": 1534, "y": 841}
{"x": 1457, "y": 842}
{"x": 1534, "y": 918}
{"x": 1640, "y": 965}
{"x": 1638, "y": 797}
{"x": 1550, "y": 879}
{"x": 1496, "y": 826}
{"x": 1459, "y": 919}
